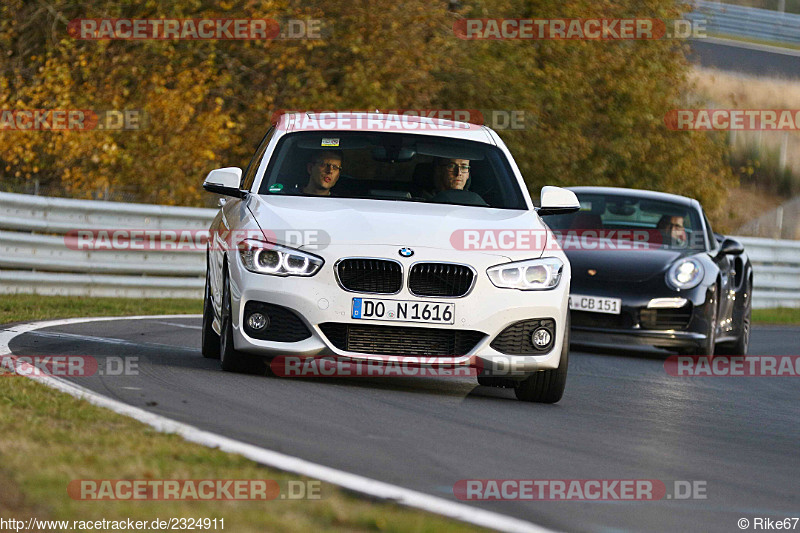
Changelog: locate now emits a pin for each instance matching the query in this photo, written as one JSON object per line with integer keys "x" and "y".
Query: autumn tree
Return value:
{"x": 594, "y": 109}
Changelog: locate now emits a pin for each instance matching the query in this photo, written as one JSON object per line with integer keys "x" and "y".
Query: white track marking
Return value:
{"x": 361, "y": 484}
{"x": 187, "y": 326}
{"x": 107, "y": 340}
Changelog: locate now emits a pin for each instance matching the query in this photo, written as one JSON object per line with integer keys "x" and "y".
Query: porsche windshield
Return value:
{"x": 392, "y": 166}
{"x": 677, "y": 224}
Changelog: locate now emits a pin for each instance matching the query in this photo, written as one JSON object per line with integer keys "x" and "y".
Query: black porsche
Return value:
{"x": 675, "y": 285}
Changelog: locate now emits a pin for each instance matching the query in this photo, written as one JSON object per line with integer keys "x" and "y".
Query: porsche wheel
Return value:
{"x": 709, "y": 345}
{"x": 742, "y": 343}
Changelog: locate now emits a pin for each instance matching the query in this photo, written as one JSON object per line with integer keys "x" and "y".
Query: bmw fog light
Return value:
{"x": 541, "y": 338}
{"x": 257, "y": 321}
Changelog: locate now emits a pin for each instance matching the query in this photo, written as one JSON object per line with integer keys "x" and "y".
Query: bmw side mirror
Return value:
{"x": 224, "y": 181}
{"x": 557, "y": 201}
{"x": 731, "y": 247}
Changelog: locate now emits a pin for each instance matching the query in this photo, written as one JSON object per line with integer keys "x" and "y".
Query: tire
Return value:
{"x": 708, "y": 347}
{"x": 742, "y": 343}
{"x": 547, "y": 386}
{"x": 209, "y": 340}
{"x": 230, "y": 359}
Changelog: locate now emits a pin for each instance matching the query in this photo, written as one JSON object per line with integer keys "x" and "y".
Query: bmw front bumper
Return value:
{"x": 320, "y": 300}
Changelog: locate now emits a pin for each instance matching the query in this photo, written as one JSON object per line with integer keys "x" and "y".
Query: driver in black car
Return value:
{"x": 673, "y": 230}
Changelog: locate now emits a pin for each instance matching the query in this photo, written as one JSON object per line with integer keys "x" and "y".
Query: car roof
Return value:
{"x": 386, "y": 123}
{"x": 639, "y": 193}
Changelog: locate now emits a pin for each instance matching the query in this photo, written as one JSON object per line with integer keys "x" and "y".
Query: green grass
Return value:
{"x": 780, "y": 315}
{"x": 49, "y": 438}
{"x": 29, "y": 307}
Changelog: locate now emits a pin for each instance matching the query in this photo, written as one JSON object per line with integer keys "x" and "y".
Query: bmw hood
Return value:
{"x": 352, "y": 221}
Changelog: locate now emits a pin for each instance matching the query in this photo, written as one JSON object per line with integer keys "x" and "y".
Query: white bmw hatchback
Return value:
{"x": 346, "y": 235}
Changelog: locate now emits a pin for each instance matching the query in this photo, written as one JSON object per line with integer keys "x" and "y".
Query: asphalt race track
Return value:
{"x": 755, "y": 60}
{"x": 622, "y": 417}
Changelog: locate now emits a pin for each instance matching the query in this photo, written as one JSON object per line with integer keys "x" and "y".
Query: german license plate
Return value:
{"x": 404, "y": 311}
{"x": 579, "y": 302}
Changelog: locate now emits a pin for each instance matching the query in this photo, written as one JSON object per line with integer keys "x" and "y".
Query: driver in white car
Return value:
{"x": 323, "y": 172}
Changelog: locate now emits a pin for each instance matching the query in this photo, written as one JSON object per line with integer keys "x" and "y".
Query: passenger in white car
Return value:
{"x": 451, "y": 174}
{"x": 442, "y": 174}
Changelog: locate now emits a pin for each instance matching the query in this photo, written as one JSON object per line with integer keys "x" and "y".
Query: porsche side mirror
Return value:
{"x": 224, "y": 181}
{"x": 731, "y": 247}
{"x": 558, "y": 201}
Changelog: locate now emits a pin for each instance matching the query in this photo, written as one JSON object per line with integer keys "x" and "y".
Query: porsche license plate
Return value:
{"x": 403, "y": 311}
{"x": 596, "y": 304}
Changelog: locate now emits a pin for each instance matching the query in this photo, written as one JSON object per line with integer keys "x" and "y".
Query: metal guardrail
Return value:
{"x": 45, "y": 252}
{"x": 762, "y": 24}
{"x": 60, "y": 215}
{"x": 776, "y": 271}
{"x": 787, "y": 6}
{"x": 44, "y": 264}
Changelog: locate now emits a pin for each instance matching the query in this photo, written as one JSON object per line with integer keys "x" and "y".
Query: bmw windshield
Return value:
{"x": 392, "y": 166}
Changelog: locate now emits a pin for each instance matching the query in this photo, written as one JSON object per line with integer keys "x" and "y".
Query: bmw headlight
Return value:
{"x": 531, "y": 275}
{"x": 686, "y": 274}
{"x": 267, "y": 258}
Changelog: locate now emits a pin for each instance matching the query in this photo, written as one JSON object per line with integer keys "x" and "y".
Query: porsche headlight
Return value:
{"x": 531, "y": 275}
{"x": 267, "y": 258}
{"x": 686, "y": 274}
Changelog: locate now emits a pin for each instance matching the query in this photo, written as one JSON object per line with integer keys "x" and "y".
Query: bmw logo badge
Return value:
{"x": 406, "y": 252}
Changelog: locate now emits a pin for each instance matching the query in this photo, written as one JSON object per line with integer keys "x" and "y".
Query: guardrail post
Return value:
{"x": 784, "y": 149}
